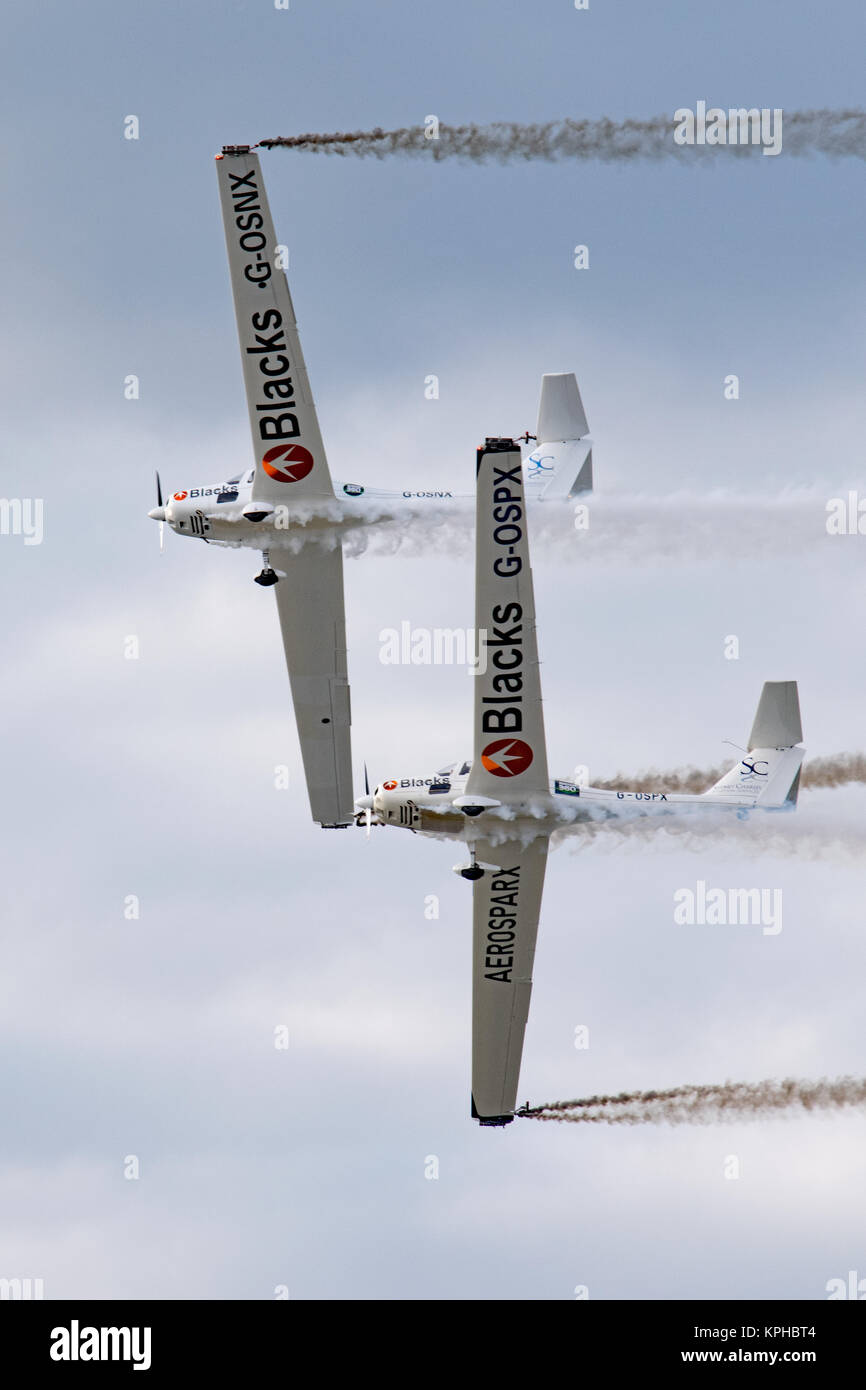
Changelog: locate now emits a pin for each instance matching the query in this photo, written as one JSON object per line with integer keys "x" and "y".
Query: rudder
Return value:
{"x": 777, "y": 719}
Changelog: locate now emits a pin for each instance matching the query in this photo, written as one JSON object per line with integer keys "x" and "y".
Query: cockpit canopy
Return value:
{"x": 228, "y": 492}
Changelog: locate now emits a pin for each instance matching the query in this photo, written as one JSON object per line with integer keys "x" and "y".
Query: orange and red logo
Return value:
{"x": 389, "y": 786}
{"x": 288, "y": 463}
{"x": 507, "y": 757}
{"x": 179, "y": 496}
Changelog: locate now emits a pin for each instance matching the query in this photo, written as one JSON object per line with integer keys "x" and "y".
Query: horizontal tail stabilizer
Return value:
{"x": 769, "y": 774}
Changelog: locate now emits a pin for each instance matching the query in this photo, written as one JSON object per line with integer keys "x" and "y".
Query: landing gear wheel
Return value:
{"x": 267, "y": 576}
{"x": 472, "y": 873}
{"x": 472, "y": 870}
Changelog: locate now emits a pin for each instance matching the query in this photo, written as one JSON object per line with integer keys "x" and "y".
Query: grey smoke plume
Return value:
{"x": 826, "y": 132}
{"x": 836, "y": 771}
{"x": 687, "y": 1105}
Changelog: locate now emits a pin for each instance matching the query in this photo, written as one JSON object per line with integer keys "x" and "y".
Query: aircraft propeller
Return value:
{"x": 365, "y": 805}
{"x": 158, "y": 513}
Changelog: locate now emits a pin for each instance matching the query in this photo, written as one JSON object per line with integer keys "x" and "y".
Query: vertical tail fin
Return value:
{"x": 777, "y": 718}
{"x": 560, "y": 465}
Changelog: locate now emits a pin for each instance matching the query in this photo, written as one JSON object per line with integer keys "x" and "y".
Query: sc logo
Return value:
{"x": 751, "y": 769}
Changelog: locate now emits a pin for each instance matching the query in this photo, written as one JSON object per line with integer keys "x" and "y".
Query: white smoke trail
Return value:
{"x": 622, "y": 528}
{"x": 817, "y": 831}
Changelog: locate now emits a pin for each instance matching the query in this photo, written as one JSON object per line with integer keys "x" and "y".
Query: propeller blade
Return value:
{"x": 161, "y": 537}
{"x": 366, "y": 782}
{"x": 158, "y": 490}
{"x": 368, "y": 820}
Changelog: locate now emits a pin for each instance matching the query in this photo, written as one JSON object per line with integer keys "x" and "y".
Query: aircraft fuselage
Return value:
{"x": 438, "y": 804}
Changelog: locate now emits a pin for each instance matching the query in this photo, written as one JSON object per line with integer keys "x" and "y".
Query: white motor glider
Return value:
{"x": 502, "y": 802}
{"x": 287, "y": 498}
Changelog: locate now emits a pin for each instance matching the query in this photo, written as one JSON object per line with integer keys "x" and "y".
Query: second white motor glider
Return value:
{"x": 502, "y": 803}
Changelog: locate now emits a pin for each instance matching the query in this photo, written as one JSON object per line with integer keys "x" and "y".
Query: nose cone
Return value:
{"x": 157, "y": 514}
{"x": 364, "y": 803}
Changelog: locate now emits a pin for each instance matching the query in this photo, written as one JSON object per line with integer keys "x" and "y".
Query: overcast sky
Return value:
{"x": 154, "y": 777}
